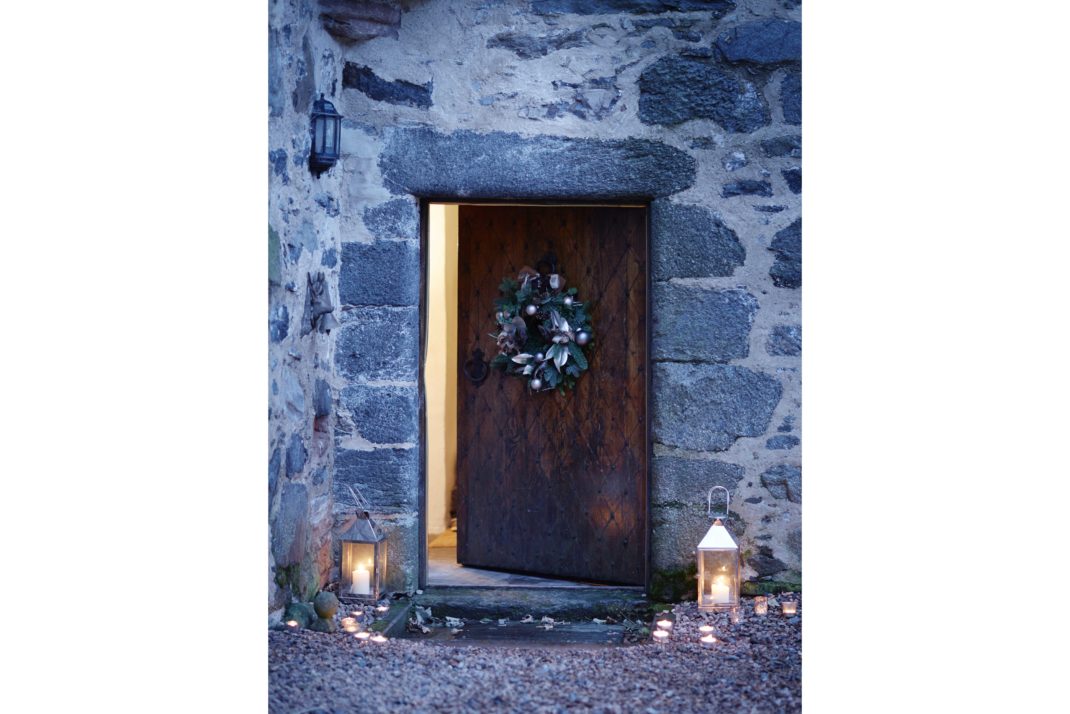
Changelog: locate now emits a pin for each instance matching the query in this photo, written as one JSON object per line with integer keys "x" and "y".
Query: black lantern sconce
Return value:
{"x": 326, "y": 134}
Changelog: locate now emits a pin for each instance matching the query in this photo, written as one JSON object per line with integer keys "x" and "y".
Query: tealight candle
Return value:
{"x": 382, "y": 608}
{"x": 347, "y": 621}
{"x": 363, "y": 636}
{"x": 350, "y": 628}
{"x": 378, "y": 638}
{"x": 761, "y": 605}
{"x": 292, "y": 624}
{"x": 664, "y": 624}
{"x": 708, "y": 640}
{"x": 706, "y": 629}
{"x": 357, "y": 613}
{"x": 788, "y": 607}
{"x": 661, "y": 635}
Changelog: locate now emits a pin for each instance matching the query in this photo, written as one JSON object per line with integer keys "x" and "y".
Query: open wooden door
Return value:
{"x": 549, "y": 484}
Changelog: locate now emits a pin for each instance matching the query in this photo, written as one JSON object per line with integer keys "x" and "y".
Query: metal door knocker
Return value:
{"x": 475, "y": 368}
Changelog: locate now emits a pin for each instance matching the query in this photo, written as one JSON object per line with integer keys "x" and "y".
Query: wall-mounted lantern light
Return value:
{"x": 718, "y": 563}
{"x": 326, "y": 133}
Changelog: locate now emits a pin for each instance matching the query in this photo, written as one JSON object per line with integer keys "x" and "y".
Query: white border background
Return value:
{"x": 134, "y": 376}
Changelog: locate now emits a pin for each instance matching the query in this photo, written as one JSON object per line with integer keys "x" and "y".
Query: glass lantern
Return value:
{"x": 363, "y": 560}
{"x": 718, "y": 563}
{"x": 326, "y": 135}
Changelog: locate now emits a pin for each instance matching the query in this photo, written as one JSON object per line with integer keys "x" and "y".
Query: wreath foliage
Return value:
{"x": 544, "y": 332}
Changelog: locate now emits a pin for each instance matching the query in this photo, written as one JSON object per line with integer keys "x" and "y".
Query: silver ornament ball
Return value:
{"x": 539, "y": 356}
{"x": 531, "y": 309}
{"x": 568, "y": 301}
{"x": 582, "y": 338}
{"x": 536, "y": 384}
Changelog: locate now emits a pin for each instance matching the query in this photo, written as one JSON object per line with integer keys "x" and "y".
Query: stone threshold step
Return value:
{"x": 515, "y": 603}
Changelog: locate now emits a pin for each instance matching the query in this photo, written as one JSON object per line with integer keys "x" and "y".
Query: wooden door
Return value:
{"x": 555, "y": 484}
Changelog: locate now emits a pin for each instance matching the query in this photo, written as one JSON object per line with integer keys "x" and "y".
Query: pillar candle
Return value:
{"x": 361, "y": 581}
{"x": 719, "y": 592}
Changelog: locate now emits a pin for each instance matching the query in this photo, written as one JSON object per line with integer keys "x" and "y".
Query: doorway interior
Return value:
{"x": 508, "y": 500}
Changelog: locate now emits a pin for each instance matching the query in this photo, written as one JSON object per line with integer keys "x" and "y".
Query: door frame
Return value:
{"x": 425, "y": 203}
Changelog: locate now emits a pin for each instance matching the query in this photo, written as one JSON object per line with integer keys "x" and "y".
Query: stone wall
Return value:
{"x": 304, "y": 238}
{"x": 692, "y": 104}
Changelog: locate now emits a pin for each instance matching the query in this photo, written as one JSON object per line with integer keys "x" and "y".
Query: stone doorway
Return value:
{"x": 714, "y": 400}
{"x": 530, "y": 490}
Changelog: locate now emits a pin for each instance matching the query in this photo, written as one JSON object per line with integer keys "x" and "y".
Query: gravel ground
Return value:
{"x": 755, "y": 667}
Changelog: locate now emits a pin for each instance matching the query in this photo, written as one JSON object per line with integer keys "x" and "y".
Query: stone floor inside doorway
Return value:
{"x": 444, "y": 570}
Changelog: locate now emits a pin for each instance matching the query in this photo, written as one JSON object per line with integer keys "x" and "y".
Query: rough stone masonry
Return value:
{"x": 692, "y": 105}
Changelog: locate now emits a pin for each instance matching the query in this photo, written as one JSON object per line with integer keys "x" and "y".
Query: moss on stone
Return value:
{"x": 274, "y": 257}
{"x": 286, "y": 574}
{"x": 300, "y": 612}
{"x": 674, "y": 585}
{"x": 303, "y": 583}
{"x": 770, "y": 587}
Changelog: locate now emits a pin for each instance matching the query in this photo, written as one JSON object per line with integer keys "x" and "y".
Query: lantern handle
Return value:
{"x": 709, "y": 502}
{"x": 362, "y": 505}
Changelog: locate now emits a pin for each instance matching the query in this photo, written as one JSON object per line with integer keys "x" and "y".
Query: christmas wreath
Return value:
{"x": 543, "y": 330}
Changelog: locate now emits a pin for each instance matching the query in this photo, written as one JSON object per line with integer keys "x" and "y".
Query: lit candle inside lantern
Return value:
{"x": 761, "y": 605}
{"x": 664, "y": 624}
{"x": 361, "y": 581}
{"x": 706, "y": 629}
{"x": 719, "y": 592}
{"x": 378, "y": 638}
{"x": 708, "y": 640}
{"x": 362, "y": 636}
{"x": 788, "y": 607}
{"x": 661, "y": 635}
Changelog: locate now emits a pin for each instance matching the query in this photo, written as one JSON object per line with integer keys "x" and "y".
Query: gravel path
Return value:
{"x": 755, "y": 667}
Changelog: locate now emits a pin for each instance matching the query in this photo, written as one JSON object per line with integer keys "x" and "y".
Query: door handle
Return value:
{"x": 475, "y": 367}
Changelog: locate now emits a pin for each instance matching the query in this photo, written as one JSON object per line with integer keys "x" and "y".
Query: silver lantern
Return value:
{"x": 718, "y": 562}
